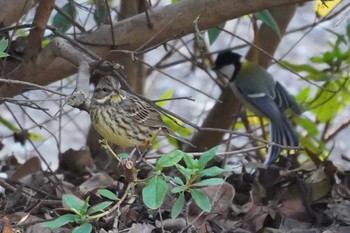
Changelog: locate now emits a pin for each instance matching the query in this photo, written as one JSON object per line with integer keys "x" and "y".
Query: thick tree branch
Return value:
{"x": 12, "y": 10}
{"x": 36, "y": 35}
{"x": 211, "y": 12}
{"x": 134, "y": 71}
{"x": 132, "y": 33}
{"x": 58, "y": 48}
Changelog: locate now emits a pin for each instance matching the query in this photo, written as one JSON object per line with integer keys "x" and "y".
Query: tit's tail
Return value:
{"x": 282, "y": 133}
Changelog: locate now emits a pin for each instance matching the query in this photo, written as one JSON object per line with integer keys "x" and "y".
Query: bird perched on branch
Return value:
{"x": 123, "y": 118}
{"x": 264, "y": 96}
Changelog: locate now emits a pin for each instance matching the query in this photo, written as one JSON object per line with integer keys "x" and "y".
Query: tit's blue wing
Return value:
{"x": 281, "y": 131}
{"x": 284, "y": 100}
{"x": 265, "y": 105}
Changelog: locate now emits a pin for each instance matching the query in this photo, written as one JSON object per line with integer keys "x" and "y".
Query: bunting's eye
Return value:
{"x": 103, "y": 90}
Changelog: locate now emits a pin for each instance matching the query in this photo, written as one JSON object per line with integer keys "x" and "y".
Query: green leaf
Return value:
{"x": 323, "y": 76}
{"x": 9, "y": 125}
{"x": 303, "y": 95}
{"x": 212, "y": 171}
{"x": 267, "y": 18}
{"x": 74, "y": 204}
{"x": 206, "y": 157}
{"x": 308, "y": 125}
{"x": 175, "y": 125}
{"x": 3, "y": 47}
{"x": 348, "y": 29}
{"x": 45, "y": 42}
{"x": 154, "y": 192}
{"x": 13, "y": 128}
{"x": 60, "y": 221}
{"x": 316, "y": 59}
{"x": 85, "y": 206}
{"x": 169, "y": 159}
{"x": 327, "y": 103}
{"x": 173, "y": 141}
{"x": 300, "y": 68}
{"x": 36, "y": 137}
{"x": 210, "y": 181}
{"x": 100, "y": 12}
{"x": 314, "y": 145}
{"x": 186, "y": 172}
{"x": 201, "y": 200}
{"x": 328, "y": 57}
{"x": 85, "y": 228}
{"x": 179, "y": 189}
{"x": 178, "y": 205}
{"x": 166, "y": 95}
{"x": 99, "y": 207}
{"x": 178, "y": 181}
{"x": 61, "y": 22}
{"x": 3, "y": 54}
{"x": 190, "y": 161}
{"x": 213, "y": 33}
{"x": 107, "y": 194}
{"x": 123, "y": 155}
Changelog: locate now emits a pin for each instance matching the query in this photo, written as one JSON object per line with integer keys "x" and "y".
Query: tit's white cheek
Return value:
{"x": 228, "y": 71}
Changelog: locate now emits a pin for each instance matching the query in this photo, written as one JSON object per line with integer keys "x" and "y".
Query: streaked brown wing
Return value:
{"x": 141, "y": 112}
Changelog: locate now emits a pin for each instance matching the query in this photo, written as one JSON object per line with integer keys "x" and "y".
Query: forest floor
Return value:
{"x": 309, "y": 198}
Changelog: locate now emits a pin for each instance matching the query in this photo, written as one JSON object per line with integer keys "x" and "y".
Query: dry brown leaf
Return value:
{"x": 288, "y": 224}
{"x": 220, "y": 196}
{"x": 177, "y": 224}
{"x": 77, "y": 161}
{"x": 294, "y": 208}
{"x": 39, "y": 228}
{"x": 240, "y": 209}
{"x": 29, "y": 167}
{"x": 337, "y": 229}
{"x": 339, "y": 211}
{"x": 341, "y": 188}
{"x": 6, "y": 225}
{"x": 320, "y": 184}
{"x": 65, "y": 188}
{"x": 255, "y": 218}
{"x": 141, "y": 228}
{"x": 97, "y": 181}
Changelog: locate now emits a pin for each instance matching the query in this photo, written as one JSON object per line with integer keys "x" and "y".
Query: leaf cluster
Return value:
{"x": 329, "y": 71}
{"x": 81, "y": 212}
{"x": 194, "y": 175}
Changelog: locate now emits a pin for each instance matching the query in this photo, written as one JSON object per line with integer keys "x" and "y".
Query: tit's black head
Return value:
{"x": 227, "y": 58}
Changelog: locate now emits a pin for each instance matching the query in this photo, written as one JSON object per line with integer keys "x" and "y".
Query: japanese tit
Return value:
{"x": 264, "y": 96}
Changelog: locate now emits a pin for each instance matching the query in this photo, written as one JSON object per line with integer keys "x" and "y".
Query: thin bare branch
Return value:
{"x": 11, "y": 81}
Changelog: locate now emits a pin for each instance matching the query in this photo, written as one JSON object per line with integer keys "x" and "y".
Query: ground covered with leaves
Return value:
{"x": 177, "y": 192}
